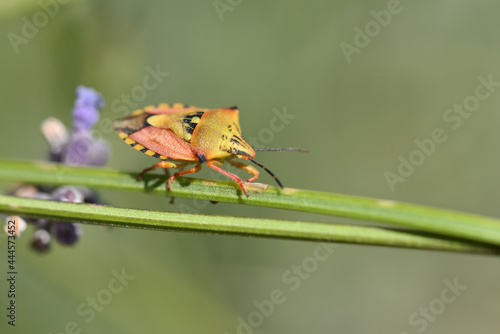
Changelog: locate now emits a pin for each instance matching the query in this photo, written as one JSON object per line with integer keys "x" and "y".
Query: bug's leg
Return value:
{"x": 246, "y": 168}
{"x": 216, "y": 165}
{"x": 167, "y": 174}
{"x": 161, "y": 164}
{"x": 195, "y": 169}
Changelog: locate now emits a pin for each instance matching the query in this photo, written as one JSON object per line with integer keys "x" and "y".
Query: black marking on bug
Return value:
{"x": 233, "y": 107}
{"x": 128, "y": 130}
{"x": 223, "y": 148}
{"x": 189, "y": 124}
{"x": 144, "y": 150}
{"x": 235, "y": 139}
{"x": 189, "y": 118}
{"x": 156, "y": 155}
{"x": 201, "y": 158}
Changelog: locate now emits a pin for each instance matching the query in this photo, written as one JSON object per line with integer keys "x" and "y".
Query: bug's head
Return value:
{"x": 240, "y": 148}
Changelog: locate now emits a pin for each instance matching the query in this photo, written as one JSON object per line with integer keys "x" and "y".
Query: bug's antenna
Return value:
{"x": 267, "y": 170}
{"x": 292, "y": 149}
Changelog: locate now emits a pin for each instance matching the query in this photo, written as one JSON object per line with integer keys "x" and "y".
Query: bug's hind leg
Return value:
{"x": 161, "y": 164}
{"x": 167, "y": 174}
{"x": 247, "y": 168}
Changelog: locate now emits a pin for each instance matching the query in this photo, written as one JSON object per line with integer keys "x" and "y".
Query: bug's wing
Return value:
{"x": 164, "y": 142}
{"x": 181, "y": 123}
{"x": 131, "y": 123}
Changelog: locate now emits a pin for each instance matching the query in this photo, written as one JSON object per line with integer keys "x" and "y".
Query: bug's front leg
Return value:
{"x": 216, "y": 165}
{"x": 246, "y": 168}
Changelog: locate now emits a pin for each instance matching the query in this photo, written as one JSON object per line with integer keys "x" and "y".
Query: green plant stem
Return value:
{"x": 424, "y": 219}
{"x": 131, "y": 218}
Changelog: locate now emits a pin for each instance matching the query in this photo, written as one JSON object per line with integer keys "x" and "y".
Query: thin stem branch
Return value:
{"x": 447, "y": 223}
{"x": 169, "y": 221}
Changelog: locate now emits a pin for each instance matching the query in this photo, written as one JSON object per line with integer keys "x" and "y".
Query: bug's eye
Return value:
{"x": 235, "y": 151}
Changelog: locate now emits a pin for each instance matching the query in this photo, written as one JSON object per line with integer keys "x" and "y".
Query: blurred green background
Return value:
{"x": 356, "y": 118}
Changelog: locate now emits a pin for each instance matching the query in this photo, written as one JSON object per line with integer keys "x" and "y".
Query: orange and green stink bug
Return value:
{"x": 179, "y": 135}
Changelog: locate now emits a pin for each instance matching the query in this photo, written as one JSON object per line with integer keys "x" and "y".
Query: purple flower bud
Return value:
{"x": 41, "y": 241}
{"x": 68, "y": 194}
{"x": 86, "y": 109}
{"x": 84, "y": 149}
{"x": 89, "y": 196}
{"x": 56, "y": 135}
{"x": 67, "y": 233}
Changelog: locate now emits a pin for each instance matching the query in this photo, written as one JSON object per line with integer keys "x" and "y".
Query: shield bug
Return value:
{"x": 179, "y": 135}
